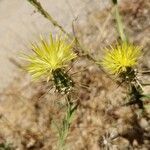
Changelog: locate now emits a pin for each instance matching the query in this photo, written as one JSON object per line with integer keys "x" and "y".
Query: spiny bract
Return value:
{"x": 49, "y": 56}
{"x": 119, "y": 58}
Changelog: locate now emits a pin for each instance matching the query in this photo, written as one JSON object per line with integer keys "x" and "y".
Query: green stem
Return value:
{"x": 120, "y": 24}
{"x": 66, "y": 122}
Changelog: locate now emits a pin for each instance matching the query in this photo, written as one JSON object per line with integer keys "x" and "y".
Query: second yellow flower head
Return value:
{"x": 117, "y": 59}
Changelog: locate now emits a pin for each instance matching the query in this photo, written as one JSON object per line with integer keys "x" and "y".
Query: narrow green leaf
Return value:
{"x": 146, "y": 96}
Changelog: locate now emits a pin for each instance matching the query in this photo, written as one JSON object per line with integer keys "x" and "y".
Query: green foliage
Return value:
{"x": 146, "y": 96}
{"x": 63, "y": 130}
{"x": 5, "y": 146}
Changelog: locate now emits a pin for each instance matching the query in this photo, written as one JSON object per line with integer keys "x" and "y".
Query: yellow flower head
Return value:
{"x": 49, "y": 56}
{"x": 121, "y": 57}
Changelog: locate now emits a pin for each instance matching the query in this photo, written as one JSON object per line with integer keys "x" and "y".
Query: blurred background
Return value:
{"x": 27, "y": 108}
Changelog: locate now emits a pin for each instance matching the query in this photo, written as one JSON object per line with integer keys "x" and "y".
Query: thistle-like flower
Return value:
{"x": 49, "y": 60}
{"x": 121, "y": 58}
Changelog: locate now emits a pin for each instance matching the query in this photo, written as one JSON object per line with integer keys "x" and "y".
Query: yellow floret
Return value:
{"x": 118, "y": 58}
{"x": 49, "y": 56}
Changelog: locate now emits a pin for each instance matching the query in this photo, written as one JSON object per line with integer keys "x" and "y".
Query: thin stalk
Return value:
{"x": 43, "y": 12}
{"x": 63, "y": 130}
{"x": 120, "y": 26}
